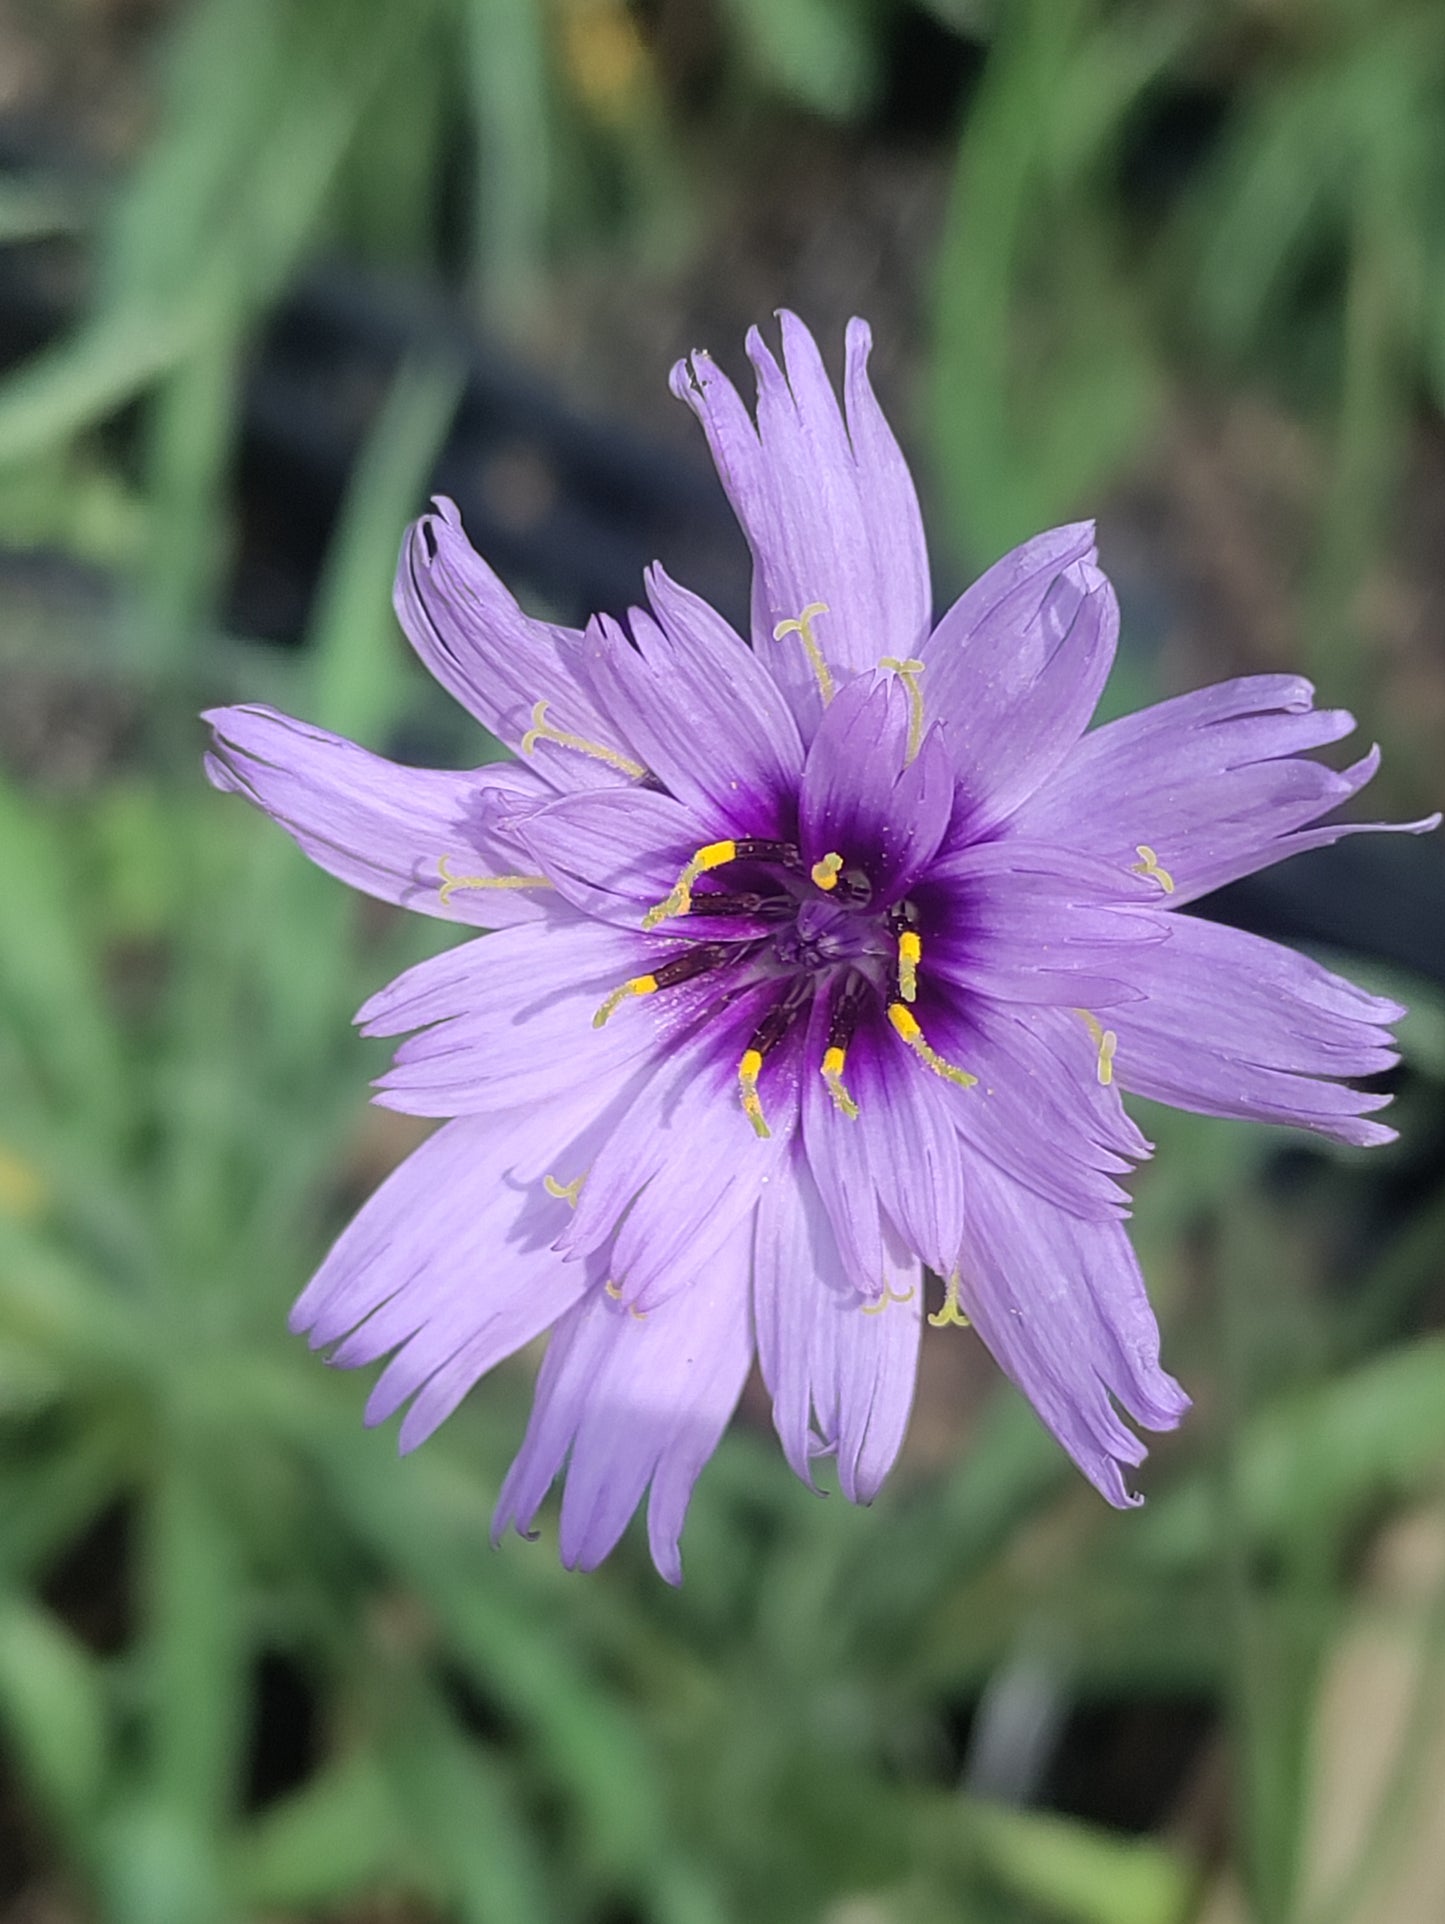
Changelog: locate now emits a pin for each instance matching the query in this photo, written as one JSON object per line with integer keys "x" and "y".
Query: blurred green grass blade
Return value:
{"x": 385, "y": 207}
{"x": 357, "y": 676}
{"x": 336, "y": 1837}
{"x": 195, "y": 1655}
{"x": 190, "y": 437}
{"x": 74, "y": 1315}
{"x": 227, "y": 60}
{"x": 1074, "y": 1872}
{"x": 819, "y": 53}
{"x": 155, "y": 1866}
{"x": 1250, "y": 223}
{"x": 48, "y": 1498}
{"x": 479, "y": 1850}
{"x": 49, "y": 985}
{"x": 421, "y": 1518}
{"x": 1043, "y": 379}
{"x": 263, "y": 104}
{"x": 1314, "y": 1456}
{"x": 53, "y": 1714}
{"x": 506, "y": 74}
{"x": 68, "y": 500}
{"x": 38, "y": 208}
{"x": 91, "y": 373}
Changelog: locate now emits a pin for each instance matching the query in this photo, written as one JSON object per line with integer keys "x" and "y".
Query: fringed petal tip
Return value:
{"x": 441, "y": 523}
{"x": 1158, "y": 1404}
{"x": 691, "y": 377}
{"x": 858, "y": 337}
{"x": 218, "y": 773}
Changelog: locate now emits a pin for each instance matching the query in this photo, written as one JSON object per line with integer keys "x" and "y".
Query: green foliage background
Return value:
{"x": 182, "y": 1095}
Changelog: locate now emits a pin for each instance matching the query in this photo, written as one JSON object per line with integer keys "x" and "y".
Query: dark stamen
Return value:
{"x": 770, "y": 1032}
{"x": 841, "y": 1025}
{"x": 846, "y": 1010}
{"x": 694, "y": 961}
{"x": 715, "y": 902}
{"x": 682, "y": 968}
{"x": 785, "y": 854}
{"x": 781, "y": 1017}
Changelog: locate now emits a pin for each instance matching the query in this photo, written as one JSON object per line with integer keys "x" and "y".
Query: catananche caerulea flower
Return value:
{"x": 816, "y": 962}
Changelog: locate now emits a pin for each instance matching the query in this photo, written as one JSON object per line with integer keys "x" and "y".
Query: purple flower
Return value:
{"x": 816, "y": 963}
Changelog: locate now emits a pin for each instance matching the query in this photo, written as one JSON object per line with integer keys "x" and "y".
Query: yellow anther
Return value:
{"x": 908, "y": 672}
{"x": 639, "y": 985}
{"x": 1105, "y": 1041}
{"x": 1108, "y": 1043}
{"x": 451, "y": 883}
{"x": 715, "y": 855}
{"x": 543, "y": 731}
{"x": 1148, "y": 864}
{"x": 951, "y": 1311}
{"x": 824, "y": 874}
{"x": 749, "y": 1069}
{"x": 803, "y": 629}
{"x": 910, "y": 954}
{"x": 906, "y": 1024}
{"x": 833, "y": 1061}
{"x": 890, "y": 1295}
{"x": 614, "y": 1290}
{"x": 566, "y": 1192}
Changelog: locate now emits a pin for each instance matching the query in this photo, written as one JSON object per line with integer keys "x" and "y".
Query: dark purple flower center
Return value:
{"x": 822, "y": 935}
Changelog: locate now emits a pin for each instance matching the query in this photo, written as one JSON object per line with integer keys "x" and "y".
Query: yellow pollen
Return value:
{"x": 749, "y": 1069}
{"x": 910, "y": 954}
{"x": 566, "y": 1192}
{"x": 906, "y": 1024}
{"x": 614, "y": 1290}
{"x": 543, "y": 731}
{"x": 833, "y": 1062}
{"x": 1148, "y": 864}
{"x": 1105, "y": 1041}
{"x": 951, "y": 1312}
{"x": 715, "y": 855}
{"x": 890, "y": 1295}
{"x": 824, "y": 874}
{"x": 1108, "y": 1043}
{"x": 639, "y": 985}
{"x": 908, "y": 672}
{"x": 451, "y": 883}
{"x": 803, "y": 629}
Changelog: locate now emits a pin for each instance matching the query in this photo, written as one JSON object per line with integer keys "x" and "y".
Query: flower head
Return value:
{"x": 816, "y": 962}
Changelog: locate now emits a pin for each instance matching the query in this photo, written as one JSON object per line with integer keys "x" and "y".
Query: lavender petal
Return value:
{"x": 427, "y": 839}
{"x": 1213, "y": 782}
{"x": 841, "y": 1370}
{"x": 450, "y": 1272}
{"x": 507, "y": 1020}
{"x": 863, "y": 797}
{"x": 637, "y": 1401}
{"x": 700, "y": 709}
{"x": 1232, "y": 1025}
{"x": 683, "y": 1165}
{"x": 1014, "y": 698}
{"x": 1062, "y": 1306}
{"x": 827, "y": 505}
{"x": 496, "y": 661}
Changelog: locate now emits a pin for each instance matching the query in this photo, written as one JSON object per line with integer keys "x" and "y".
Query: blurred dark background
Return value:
{"x": 269, "y": 271}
